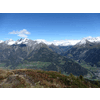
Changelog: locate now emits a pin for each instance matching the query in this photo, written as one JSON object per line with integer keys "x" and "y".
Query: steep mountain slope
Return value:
{"x": 28, "y": 78}
{"x": 89, "y": 52}
{"x": 12, "y": 55}
{"x": 37, "y": 56}
{"x": 55, "y": 62}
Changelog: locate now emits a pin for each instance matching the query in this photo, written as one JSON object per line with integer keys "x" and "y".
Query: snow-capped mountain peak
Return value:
{"x": 19, "y": 41}
{"x": 24, "y": 41}
{"x": 9, "y": 42}
{"x": 83, "y": 41}
{"x": 93, "y": 39}
{"x": 90, "y": 39}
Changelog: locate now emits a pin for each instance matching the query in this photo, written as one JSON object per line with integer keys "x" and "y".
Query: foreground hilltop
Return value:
{"x": 28, "y": 78}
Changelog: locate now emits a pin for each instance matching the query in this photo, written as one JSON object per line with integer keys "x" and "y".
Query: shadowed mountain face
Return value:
{"x": 20, "y": 45}
{"x": 14, "y": 54}
{"x": 60, "y": 49}
{"x": 58, "y": 62}
{"x": 89, "y": 52}
{"x": 37, "y": 56}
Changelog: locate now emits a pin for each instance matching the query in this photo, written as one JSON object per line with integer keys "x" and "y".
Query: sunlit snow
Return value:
{"x": 55, "y": 42}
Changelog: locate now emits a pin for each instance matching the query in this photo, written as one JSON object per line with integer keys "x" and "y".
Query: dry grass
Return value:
{"x": 28, "y": 78}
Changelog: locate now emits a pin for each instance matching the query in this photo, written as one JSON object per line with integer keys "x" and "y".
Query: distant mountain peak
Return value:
{"x": 1, "y": 41}
{"x": 83, "y": 41}
{"x": 89, "y": 39}
{"x": 22, "y": 40}
{"x": 93, "y": 39}
{"x": 9, "y": 42}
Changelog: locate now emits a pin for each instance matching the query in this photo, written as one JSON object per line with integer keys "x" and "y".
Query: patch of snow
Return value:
{"x": 1, "y": 41}
{"x": 9, "y": 42}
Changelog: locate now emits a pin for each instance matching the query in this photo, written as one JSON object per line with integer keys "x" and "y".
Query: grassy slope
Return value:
{"x": 28, "y": 78}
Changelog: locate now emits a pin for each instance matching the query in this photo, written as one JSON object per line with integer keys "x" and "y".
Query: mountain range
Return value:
{"x": 36, "y": 54}
{"x": 88, "y": 51}
{"x": 55, "y": 42}
{"x": 25, "y": 53}
{"x": 50, "y": 63}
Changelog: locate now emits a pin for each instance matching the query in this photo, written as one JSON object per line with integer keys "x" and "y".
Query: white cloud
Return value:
{"x": 65, "y": 42}
{"x": 59, "y": 42}
{"x": 24, "y": 31}
{"x": 21, "y": 33}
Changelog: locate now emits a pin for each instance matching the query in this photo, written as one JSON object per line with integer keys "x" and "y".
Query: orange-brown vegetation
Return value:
{"x": 28, "y": 78}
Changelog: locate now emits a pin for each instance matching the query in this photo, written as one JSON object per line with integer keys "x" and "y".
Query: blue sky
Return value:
{"x": 49, "y": 26}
